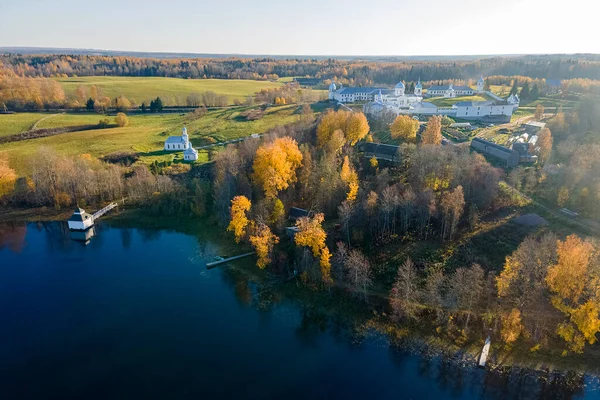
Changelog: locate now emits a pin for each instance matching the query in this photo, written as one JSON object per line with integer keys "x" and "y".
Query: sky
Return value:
{"x": 305, "y": 27}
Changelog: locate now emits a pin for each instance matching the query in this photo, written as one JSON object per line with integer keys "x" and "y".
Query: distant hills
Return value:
{"x": 97, "y": 52}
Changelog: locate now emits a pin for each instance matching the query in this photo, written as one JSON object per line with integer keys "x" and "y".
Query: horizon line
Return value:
{"x": 14, "y": 50}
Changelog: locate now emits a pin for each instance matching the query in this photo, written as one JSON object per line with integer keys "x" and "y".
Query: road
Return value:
{"x": 34, "y": 126}
{"x": 208, "y": 146}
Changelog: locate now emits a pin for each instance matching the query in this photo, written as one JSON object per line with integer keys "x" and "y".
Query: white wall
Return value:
{"x": 480, "y": 111}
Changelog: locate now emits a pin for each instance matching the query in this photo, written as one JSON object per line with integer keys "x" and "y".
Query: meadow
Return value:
{"x": 144, "y": 135}
{"x": 173, "y": 91}
{"x": 11, "y": 124}
{"x": 448, "y": 102}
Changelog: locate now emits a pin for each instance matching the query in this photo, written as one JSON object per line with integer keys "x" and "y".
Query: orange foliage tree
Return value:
{"x": 433, "y": 131}
{"x": 240, "y": 205}
{"x": 404, "y": 127}
{"x": 275, "y": 165}
{"x": 354, "y": 126}
{"x": 349, "y": 177}
{"x": 8, "y": 177}
{"x": 311, "y": 234}
{"x": 263, "y": 241}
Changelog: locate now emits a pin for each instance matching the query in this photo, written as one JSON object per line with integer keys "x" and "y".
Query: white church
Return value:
{"x": 178, "y": 143}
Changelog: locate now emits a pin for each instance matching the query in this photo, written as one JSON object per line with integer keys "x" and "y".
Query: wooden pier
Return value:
{"x": 484, "y": 352}
{"x": 219, "y": 262}
{"x": 103, "y": 211}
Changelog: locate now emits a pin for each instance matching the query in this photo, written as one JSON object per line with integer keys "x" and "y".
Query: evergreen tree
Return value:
{"x": 486, "y": 85}
{"x": 514, "y": 88}
{"x": 156, "y": 105}
{"x": 525, "y": 91}
{"x": 144, "y": 108}
{"x": 89, "y": 105}
{"x": 535, "y": 92}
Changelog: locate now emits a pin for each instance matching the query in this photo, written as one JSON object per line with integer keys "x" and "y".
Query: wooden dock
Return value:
{"x": 103, "y": 211}
{"x": 484, "y": 352}
{"x": 219, "y": 262}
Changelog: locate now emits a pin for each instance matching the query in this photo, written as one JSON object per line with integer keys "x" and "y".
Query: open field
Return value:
{"x": 145, "y": 134}
{"x": 448, "y": 102}
{"x": 11, "y": 124}
{"x": 172, "y": 91}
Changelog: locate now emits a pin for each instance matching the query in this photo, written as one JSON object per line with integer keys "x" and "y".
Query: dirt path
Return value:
{"x": 35, "y": 125}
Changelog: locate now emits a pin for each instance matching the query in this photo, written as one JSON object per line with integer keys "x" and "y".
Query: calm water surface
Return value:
{"x": 135, "y": 314}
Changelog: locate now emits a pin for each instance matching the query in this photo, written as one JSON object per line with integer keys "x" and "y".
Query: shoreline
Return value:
{"x": 369, "y": 316}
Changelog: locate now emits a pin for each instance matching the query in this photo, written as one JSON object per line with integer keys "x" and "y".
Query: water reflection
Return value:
{"x": 135, "y": 309}
{"x": 12, "y": 236}
{"x": 83, "y": 237}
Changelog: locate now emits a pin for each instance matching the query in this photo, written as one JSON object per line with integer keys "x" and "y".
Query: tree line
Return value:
{"x": 356, "y": 72}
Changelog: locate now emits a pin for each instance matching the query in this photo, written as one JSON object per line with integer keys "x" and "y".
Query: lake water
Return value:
{"x": 136, "y": 314}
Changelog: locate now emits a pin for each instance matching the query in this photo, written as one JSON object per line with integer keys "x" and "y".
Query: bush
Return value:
{"x": 103, "y": 123}
{"x": 121, "y": 119}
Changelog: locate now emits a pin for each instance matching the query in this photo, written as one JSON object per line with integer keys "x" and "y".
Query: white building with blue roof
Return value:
{"x": 191, "y": 154}
{"x": 178, "y": 143}
{"x": 449, "y": 91}
{"x": 395, "y": 96}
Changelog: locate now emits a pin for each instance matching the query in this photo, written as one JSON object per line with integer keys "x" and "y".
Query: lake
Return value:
{"x": 136, "y": 314}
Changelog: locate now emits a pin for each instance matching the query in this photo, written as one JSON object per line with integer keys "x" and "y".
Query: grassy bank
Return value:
{"x": 145, "y": 134}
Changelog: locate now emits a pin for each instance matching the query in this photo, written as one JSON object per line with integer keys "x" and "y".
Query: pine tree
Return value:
{"x": 525, "y": 91}
{"x": 89, "y": 105}
{"x": 535, "y": 92}
{"x": 514, "y": 88}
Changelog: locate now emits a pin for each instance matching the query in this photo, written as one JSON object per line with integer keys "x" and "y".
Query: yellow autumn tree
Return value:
{"x": 275, "y": 165}
{"x": 263, "y": 241}
{"x": 349, "y": 177}
{"x": 8, "y": 177}
{"x": 336, "y": 142}
{"x": 539, "y": 112}
{"x": 240, "y": 205}
{"x": 357, "y": 127}
{"x": 563, "y": 196}
{"x": 374, "y": 163}
{"x": 325, "y": 264}
{"x": 433, "y": 131}
{"x": 278, "y": 212}
{"x": 405, "y": 128}
{"x": 353, "y": 125}
{"x": 567, "y": 278}
{"x": 511, "y": 326}
{"x": 330, "y": 122}
{"x": 544, "y": 142}
{"x": 311, "y": 233}
{"x": 121, "y": 119}
{"x": 585, "y": 318}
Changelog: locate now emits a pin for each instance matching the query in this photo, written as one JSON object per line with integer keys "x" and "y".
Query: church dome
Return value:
{"x": 400, "y": 85}
{"x": 419, "y": 85}
{"x": 481, "y": 80}
{"x": 332, "y": 87}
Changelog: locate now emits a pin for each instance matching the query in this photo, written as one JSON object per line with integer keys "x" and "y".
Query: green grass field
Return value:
{"x": 448, "y": 102}
{"x": 145, "y": 134}
{"x": 11, "y": 124}
{"x": 173, "y": 91}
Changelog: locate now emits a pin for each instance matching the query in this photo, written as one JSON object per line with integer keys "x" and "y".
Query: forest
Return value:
{"x": 358, "y": 72}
